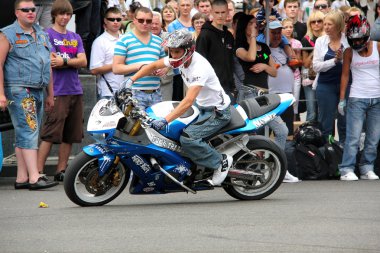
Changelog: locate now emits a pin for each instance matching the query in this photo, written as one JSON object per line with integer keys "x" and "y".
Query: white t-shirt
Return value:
{"x": 201, "y": 73}
{"x": 365, "y": 74}
{"x": 284, "y": 81}
{"x": 102, "y": 54}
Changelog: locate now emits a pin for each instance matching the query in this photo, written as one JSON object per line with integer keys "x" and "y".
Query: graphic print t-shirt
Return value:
{"x": 69, "y": 45}
{"x": 256, "y": 79}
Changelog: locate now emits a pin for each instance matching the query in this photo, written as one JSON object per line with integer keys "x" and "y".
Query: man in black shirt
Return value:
{"x": 292, "y": 8}
{"x": 215, "y": 43}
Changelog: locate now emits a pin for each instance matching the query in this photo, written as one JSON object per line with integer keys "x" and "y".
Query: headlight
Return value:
{"x": 99, "y": 137}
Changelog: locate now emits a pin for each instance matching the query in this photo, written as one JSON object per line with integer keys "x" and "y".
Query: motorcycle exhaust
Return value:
{"x": 158, "y": 167}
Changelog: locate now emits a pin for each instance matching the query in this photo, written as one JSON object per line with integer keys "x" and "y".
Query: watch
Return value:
{"x": 64, "y": 61}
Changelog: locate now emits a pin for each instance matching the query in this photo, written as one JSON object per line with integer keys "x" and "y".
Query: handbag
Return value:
{"x": 312, "y": 74}
{"x": 5, "y": 121}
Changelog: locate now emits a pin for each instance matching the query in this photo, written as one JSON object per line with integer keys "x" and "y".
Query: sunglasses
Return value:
{"x": 142, "y": 21}
{"x": 322, "y": 6}
{"x": 26, "y": 10}
{"x": 114, "y": 19}
{"x": 316, "y": 21}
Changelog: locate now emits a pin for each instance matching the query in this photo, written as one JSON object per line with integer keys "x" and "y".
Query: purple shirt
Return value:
{"x": 69, "y": 45}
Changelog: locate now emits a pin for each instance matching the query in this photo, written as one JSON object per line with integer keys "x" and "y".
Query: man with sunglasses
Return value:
{"x": 24, "y": 74}
{"x": 102, "y": 55}
{"x": 322, "y": 6}
{"x": 136, "y": 49}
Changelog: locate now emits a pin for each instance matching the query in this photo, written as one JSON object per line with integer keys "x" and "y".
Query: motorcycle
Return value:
{"x": 126, "y": 143}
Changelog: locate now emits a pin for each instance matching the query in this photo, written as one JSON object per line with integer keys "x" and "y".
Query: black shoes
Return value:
{"x": 19, "y": 186}
{"x": 59, "y": 176}
{"x": 42, "y": 183}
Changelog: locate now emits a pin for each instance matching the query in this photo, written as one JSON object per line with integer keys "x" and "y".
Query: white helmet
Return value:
{"x": 180, "y": 39}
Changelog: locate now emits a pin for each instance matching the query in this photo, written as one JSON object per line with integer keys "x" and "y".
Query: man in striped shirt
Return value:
{"x": 136, "y": 49}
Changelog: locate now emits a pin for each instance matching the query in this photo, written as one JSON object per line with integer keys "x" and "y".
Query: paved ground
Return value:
{"x": 324, "y": 216}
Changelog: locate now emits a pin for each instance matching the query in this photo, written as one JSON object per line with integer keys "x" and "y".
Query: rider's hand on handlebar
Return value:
{"x": 127, "y": 84}
{"x": 158, "y": 124}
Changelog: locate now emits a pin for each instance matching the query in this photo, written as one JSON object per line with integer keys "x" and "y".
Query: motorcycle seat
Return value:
{"x": 258, "y": 106}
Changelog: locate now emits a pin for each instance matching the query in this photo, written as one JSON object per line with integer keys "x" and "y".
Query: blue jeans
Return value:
{"x": 328, "y": 100}
{"x": 358, "y": 111}
{"x": 26, "y": 109}
{"x": 209, "y": 122}
{"x": 277, "y": 124}
{"x": 311, "y": 103}
{"x": 147, "y": 99}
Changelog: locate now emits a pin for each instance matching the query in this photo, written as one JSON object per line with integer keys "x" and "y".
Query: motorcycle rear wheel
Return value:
{"x": 84, "y": 187}
{"x": 267, "y": 161}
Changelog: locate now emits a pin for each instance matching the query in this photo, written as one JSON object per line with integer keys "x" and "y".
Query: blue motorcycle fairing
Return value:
{"x": 133, "y": 156}
{"x": 256, "y": 123}
{"x": 104, "y": 155}
{"x": 173, "y": 130}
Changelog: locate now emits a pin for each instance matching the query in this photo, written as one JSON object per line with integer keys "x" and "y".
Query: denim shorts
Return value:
{"x": 26, "y": 110}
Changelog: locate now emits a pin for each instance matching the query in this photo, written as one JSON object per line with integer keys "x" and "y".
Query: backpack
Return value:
{"x": 311, "y": 163}
{"x": 333, "y": 153}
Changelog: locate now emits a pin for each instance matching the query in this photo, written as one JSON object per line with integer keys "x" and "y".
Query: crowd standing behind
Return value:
{"x": 129, "y": 25}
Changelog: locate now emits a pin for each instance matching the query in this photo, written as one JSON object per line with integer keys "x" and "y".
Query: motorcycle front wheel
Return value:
{"x": 267, "y": 166}
{"x": 85, "y": 187}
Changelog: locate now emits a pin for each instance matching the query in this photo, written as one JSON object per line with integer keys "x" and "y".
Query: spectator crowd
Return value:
{"x": 324, "y": 53}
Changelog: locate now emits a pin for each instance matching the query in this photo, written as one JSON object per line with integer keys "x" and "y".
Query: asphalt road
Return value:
{"x": 324, "y": 216}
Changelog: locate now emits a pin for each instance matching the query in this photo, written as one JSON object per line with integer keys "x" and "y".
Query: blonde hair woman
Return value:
{"x": 327, "y": 62}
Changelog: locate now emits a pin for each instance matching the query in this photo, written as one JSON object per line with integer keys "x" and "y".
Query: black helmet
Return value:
{"x": 309, "y": 133}
{"x": 358, "y": 32}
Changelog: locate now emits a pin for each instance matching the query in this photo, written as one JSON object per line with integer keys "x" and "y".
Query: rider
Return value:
{"x": 206, "y": 91}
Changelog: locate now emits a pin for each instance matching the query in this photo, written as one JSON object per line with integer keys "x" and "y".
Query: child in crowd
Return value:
{"x": 274, "y": 15}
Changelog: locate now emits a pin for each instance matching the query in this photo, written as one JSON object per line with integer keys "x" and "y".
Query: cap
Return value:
{"x": 275, "y": 24}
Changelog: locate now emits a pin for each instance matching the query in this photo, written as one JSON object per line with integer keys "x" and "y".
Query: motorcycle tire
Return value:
{"x": 266, "y": 160}
{"x": 82, "y": 183}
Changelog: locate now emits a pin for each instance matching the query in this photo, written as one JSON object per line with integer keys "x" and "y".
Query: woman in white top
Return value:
{"x": 363, "y": 103}
{"x": 327, "y": 62}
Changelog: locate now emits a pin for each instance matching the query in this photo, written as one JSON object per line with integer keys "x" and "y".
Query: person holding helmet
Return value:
{"x": 363, "y": 104}
{"x": 206, "y": 91}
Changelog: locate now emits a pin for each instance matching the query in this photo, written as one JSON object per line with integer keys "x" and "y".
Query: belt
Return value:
{"x": 149, "y": 91}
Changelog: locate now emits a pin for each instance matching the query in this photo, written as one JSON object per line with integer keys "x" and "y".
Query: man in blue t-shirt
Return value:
{"x": 136, "y": 49}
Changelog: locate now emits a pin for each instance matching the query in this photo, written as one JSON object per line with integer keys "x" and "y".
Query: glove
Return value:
{"x": 341, "y": 106}
{"x": 126, "y": 84}
{"x": 158, "y": 124}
